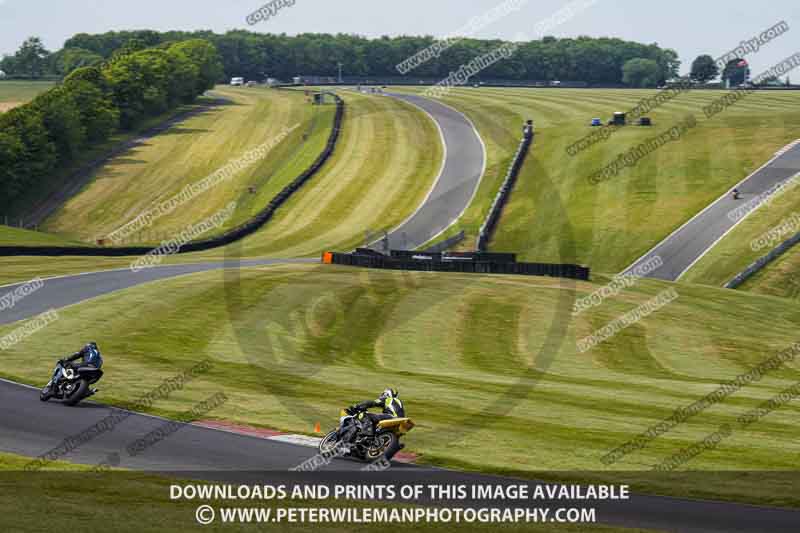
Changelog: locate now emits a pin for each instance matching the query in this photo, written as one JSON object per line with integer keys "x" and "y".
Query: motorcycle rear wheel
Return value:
{"x": 387, "y": 444}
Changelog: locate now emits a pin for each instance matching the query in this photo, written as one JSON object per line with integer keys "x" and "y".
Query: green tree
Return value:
{"x": 38, "y": 157}
{"x": 62, "y": 119}
{"x": 139, "y": 84}
{"x": 736, "y": 72}
{"x": 69, "y": 59}
{"x": 185, "y": 75}
{"x": 641, "y": 72}
{"x": 704, "y": 69}
{"x": 8, "y": 65}
{"x": 31, "y": 58}
{"x": 99, "y": 116}
{"x": 205, "y": 57}
{"x": 12, "y": 175}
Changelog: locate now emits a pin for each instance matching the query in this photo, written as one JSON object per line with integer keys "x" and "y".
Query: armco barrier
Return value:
{"x": 761, "y": 262}
{"x": 402, "y": 262}
{"x": 489, "y": 225}
{"x": 239, "y": 232}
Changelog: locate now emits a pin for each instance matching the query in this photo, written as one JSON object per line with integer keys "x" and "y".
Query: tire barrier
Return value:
{"x": 761, "y": 262}
{"x": 447, "y": 243}
{"x": 489, "y": 225}
{"x": 239, "y": 232}
{"x": 466, "y": 262}
{"x": 489, "y": 257}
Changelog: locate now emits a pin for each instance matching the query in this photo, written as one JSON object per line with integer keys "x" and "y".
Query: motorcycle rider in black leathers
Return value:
{"x": 90, "y": 355}
{"x": 388, "y": 401}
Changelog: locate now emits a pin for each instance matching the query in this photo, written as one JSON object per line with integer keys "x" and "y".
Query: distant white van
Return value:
{"x": 237, "y": 81}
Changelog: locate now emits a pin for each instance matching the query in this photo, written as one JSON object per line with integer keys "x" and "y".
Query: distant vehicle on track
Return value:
{"x": 237, "y": 82}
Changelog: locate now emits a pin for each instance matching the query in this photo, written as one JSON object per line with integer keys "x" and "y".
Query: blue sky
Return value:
{"x": 690, "y": 27}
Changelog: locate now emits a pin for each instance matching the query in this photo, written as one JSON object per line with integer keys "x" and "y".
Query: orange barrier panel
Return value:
{"x": 327, "y": 258}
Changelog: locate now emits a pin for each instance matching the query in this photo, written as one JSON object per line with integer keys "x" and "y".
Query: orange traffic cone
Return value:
{"x": 317, "y": 429}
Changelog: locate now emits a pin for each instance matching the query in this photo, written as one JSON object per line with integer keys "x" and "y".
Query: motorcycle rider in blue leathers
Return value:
{"x": 90, "y": 355}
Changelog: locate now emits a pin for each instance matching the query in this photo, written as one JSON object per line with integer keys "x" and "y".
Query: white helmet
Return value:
{"x": 388, "y": 393}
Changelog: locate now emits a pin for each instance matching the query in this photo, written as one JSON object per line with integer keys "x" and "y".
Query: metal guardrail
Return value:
{"x": 761, "y": 262}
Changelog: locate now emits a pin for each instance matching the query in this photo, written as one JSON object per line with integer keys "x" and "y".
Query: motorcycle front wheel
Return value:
{"x": 45, "y": 394}
{"x": 328, "y": 443}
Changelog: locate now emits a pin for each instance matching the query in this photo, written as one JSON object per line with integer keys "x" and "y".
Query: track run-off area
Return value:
{"x": 33, "y": 428}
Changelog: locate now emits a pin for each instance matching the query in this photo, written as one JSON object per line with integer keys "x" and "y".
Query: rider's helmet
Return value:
{"x": 388, "y": 393}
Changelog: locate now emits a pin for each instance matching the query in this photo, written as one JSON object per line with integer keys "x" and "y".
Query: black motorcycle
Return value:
{"x": 71, "y": 384}
{"x": 350, "y": 439}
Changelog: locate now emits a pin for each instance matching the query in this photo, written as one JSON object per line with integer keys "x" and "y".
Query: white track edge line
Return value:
{"x": 709, "y": 206}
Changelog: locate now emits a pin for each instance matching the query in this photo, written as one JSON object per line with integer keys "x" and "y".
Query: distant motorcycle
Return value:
{"x": 384, "y": 443}
{"x": 71, "y": 384}
{"x": 736, "y": 194}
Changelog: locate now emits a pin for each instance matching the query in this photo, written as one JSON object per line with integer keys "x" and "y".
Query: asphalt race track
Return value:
{"x": 62, "y": 291}
{"x": 689, "y": 243}
{"x": 451, "y": 194}
{"x": 31, "y": 428}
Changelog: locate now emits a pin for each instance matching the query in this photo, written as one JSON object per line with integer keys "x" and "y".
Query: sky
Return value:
{"x": 690, "y": 27}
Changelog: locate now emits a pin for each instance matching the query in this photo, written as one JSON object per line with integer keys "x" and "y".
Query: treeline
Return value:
{"x": 257, "y": 56}
{"x": 92, "y": 103}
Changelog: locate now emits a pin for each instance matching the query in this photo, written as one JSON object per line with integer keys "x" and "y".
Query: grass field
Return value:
{"x": 780, "y": 278}
{"x": 159, "y": 169}
{"x": 554, "y": 209}
{"x": 21, "y": 237}
{"x": 487, "y": 365}
{"x": 133, "y": 502}
{"x": 14, "y": 93}
{"x": 735, "y": 252}
{"x": 388, "y": 155}
{"x": 746, "y": 243}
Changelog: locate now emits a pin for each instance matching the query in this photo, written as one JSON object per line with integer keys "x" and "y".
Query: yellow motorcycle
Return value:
{"x": 349, "y": 439}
